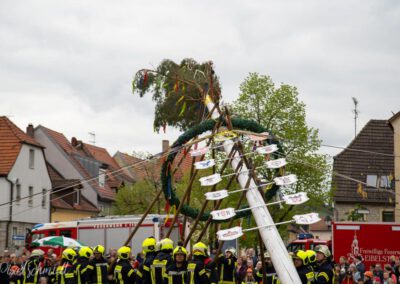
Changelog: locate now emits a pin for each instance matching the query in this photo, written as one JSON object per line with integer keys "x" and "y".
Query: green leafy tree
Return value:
{"x": 280, "y": 110}
{"x": 178, "y": 91}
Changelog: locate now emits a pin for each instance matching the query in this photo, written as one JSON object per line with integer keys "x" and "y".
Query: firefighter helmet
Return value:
{"x": 149, "y": 245}
{"x": 324, "y": 250}
{"x": 302, "y": 255}
{"x": 158, "y": 247}
{"x": 69, "y": 254}
{"x": 123, "y": 252}
{"x": 167, "y": 244}
{"x": 37, "y": 253}
{"x": 99, "y": 249}
{"x": 180, "y": 250}
{"x": 200, "y": 249}
{"x": 311, "y": 256}
{"x": 231, "y": 250}
{"x": 85, "y": 252}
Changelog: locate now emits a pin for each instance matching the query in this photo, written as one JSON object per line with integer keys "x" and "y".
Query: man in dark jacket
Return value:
{"x": 149, "y": 250}
{"x": 270, "y": 272}
{"x": 97, "y": 268}
{"x": 124, "y": 272}
{"x": 197, "y": 272}
{"x": 177, "y": 272}
{"x": 65, "y": 273}
{"x": 306, "y": 274}
{"x": 325, "y": 273}
{"x": 161, "y": 261}
{"x": 81, "y": 265}
{"x": 226, "y": 267}
{"x": 32, "y": 267}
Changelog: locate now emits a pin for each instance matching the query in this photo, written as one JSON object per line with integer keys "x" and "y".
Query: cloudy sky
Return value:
{"x": 68, "y": 65}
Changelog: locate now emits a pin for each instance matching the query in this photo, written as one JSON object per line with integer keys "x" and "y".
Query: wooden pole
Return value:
{"x": 143, "y": 217}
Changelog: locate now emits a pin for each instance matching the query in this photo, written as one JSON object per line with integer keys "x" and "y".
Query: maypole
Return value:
{"x": 269, "y": 233}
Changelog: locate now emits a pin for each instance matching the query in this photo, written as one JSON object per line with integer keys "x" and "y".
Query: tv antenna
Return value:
{"x": 356, "y": 112}
{"x": 93, "y": 136}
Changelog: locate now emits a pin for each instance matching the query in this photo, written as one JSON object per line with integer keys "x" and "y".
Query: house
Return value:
{"x": 364, "y": 174}
{"x": 77, "y": 160}
{"x": 139, "y": 169}
{"x": 67, "y": 202}
{"x": 395, "y": 124}
{"x": 24, "y": 183}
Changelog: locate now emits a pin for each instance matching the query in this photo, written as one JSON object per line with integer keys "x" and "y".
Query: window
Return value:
{"x": 371, "y": 180}
{"x": 44, "y": 198}
{"x": 385, "y": 182}
{"x": 18, "y": 193}
{"x": 30, "y": 199}
{"x": 66, "y": 233}
{"x": 15, "y": 231}
{"x": 387, "y": 216}
{"x": 52, "y": 233}
{"x": 76, "y": 196}
{"x": 102, "y": 177}
{"x": 31, "y": 158}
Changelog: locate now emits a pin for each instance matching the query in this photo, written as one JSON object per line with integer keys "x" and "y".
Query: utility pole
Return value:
{"x": 356, "y": 112}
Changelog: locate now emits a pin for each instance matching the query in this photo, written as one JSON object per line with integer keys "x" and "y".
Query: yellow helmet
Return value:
{"x": 311, "y": 256}
{"x": 180, "y": 250}
{"x": 85, "y": 252}
{"x": 149, "y": 245}
{"x": 302, "y": 255}
{"x": 124, "y": 252}
{"x": 69, "y": 254}
{"x": 200, "y": 249}
{"x": 324, "y": 250}
{"x": 99, "y": 249}
{"x": 167, "y": 244}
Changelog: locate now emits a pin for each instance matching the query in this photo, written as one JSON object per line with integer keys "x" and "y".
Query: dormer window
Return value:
{"x": 77, "y": 196}
{"x": 102, "y": 177}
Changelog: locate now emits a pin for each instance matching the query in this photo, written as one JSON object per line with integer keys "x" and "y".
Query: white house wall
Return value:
{"x": 59, "y": 160}
{"x": 38, "y": 178}
{"x": 4, "y": 198}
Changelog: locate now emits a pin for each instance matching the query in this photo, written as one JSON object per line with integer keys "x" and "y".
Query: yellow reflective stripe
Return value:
{"x": 201, "y": 272}
{"x": 130, "y": 272}
{"x": 69, "y": 275}
{"x": 146, "y": 268}
{"x": 89, "y": 267}
{"x": 323, "y": 274}
{"x": 98, "y": 270}
{"x": 222, "y": 273}
{"x": 138, "y": 273}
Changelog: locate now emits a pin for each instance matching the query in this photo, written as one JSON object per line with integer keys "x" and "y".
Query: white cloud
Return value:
{"x": 68, "y": 66}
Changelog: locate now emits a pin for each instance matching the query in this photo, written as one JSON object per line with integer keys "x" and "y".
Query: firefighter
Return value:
{"x": 161, "y": 261}
{"x": 124, "y": 272}
{"x": 197, "y": 273}
{"x": 325, "y": 273}
{"x": 177, "y": 272}
{"x": 227, "y": 267}
{"x": 270, "y": 273}
{"x": 300, "y": 259}
{"x": 312, "y": 260}
{"x": 32, "y": 267}
{"x": 65, "y": 273}
{"x": 82, "y": 262}
{"x": 149, "y": 250}
{"x": 97, "y": 269}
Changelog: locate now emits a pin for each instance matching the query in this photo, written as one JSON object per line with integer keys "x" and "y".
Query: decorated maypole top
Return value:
{"x": 188, "y": 96}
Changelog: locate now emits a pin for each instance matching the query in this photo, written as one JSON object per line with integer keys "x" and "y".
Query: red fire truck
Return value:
{"x": 109, "y": 231}
{"x": 375, "y": 242}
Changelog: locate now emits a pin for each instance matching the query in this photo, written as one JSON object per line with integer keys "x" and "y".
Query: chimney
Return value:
{"x": 165, "y": 145}
{"x": 29, "y": 130}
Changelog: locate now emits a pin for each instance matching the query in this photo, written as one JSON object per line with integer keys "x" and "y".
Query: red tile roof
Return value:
{"x": 101, "y": 155}
{"x": 106, "y": 192}
{"x": 11, "y": 140}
